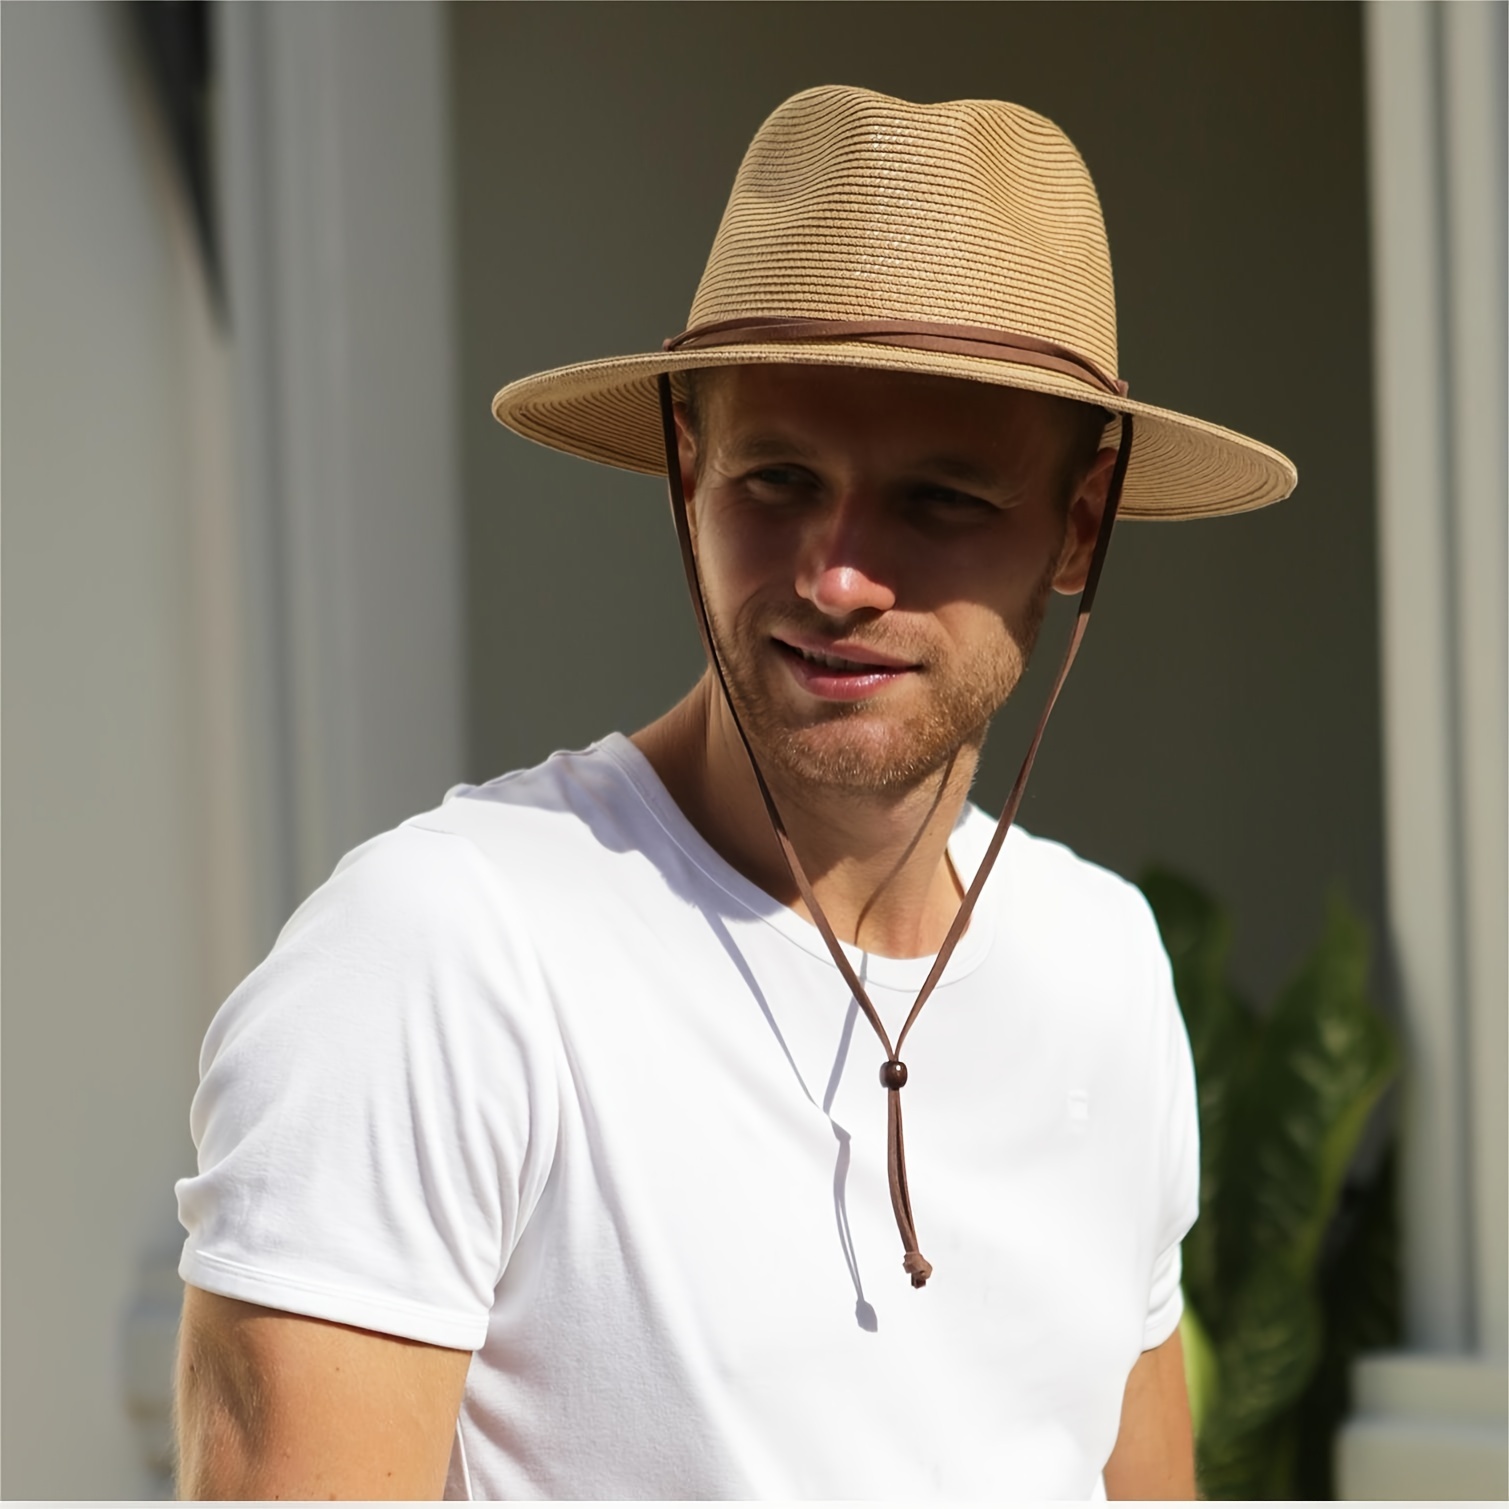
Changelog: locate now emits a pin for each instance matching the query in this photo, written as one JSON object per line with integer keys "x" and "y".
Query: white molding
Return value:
{"x": 1418, "y": 663}
{"x": 339, "y": 250}
{"x": 1437, "y": 1426}
{"x": 1425, "y": 1428}
{"x": 1475, "y": 128}
{"x": 243, "y": 171}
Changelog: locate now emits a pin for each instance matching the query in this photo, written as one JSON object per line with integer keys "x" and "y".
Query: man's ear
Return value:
{"x": 1086, "y": 509}
{"x": 686, "y": 452}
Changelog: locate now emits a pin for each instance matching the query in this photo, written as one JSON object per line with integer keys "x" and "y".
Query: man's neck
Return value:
{"x": 877, "y": 862}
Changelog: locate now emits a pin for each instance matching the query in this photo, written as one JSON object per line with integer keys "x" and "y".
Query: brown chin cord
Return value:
{"x": 893, "y": 1073}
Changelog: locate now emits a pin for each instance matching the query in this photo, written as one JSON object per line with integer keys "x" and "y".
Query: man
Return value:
{"x": 557, "y": 1149}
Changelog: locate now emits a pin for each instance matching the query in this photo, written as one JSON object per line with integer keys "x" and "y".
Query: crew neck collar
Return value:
{"x": 966, "y": 848}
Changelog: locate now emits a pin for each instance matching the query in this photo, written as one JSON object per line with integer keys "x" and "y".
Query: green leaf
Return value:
{"x": 1202, "y": 1374}
{"x": 1361, "y": 1300}
{"x": 1259, "y": 1466}
{"x": 1196, "y": 933}
{"x": 1264, "y": 1363}
{"x": 1283, "y": 1102}
{"x": 1324, "y": 1057}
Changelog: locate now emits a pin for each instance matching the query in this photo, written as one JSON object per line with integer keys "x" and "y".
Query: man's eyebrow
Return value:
{"x": 965, "y": 470}
{"x": 768, "y": 445}
{"x": 772, "y": 445}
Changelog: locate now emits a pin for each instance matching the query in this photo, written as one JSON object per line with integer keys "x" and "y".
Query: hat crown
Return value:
{"x": 852, "y": 205}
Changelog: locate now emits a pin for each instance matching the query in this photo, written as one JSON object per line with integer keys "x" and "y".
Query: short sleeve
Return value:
{"x": 1179, "y": 1151}
{"x": 377, "y": 1102}
{"x": 1165, "y": 1301}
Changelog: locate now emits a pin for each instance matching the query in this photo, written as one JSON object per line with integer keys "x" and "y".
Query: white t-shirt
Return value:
{"x": 539, "y": 1075}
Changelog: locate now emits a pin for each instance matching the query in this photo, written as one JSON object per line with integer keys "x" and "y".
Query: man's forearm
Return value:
{"x": 1154, "y": 1456}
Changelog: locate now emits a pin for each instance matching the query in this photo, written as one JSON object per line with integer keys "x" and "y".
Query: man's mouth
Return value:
{"x": 842, "y": 672}
{"x": 836, "y": 662}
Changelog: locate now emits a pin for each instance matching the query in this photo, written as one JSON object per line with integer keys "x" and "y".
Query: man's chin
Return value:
{"x": 883, "y": 745}
{"x": 844, "y": 755}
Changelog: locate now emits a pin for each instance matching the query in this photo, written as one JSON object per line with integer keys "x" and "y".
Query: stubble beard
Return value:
{"x": 861, "y": 748}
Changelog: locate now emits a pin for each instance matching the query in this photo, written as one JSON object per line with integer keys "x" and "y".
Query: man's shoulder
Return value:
{"x": 514, "y": 832}
{"x": 557, "y": 783}
{"x": 468, "y": 890}
{"x": 577, "y": 808}
{"x": 1048, "y": 884}
{"x": 1037, "y": 863}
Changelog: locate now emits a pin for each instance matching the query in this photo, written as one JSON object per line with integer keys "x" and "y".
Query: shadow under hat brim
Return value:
{"x": 1181, "y": 467}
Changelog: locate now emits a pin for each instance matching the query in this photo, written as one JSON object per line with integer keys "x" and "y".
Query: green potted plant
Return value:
{"x": 1288, "y": 1272}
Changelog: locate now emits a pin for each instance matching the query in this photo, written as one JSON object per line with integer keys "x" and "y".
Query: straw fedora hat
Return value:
{"x": 961, "y": 239}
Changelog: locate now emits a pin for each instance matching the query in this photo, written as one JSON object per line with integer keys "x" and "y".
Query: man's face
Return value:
{"x": 877, "y": 551}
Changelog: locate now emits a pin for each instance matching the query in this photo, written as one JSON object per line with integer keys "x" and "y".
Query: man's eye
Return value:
{"x": 779, "y": 479}
{"x": 949, "y": 500}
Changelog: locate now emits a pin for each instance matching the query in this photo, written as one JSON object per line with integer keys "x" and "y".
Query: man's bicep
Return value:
{"x": 1154, "y": 1456}
{"x": 273, "y": 1405}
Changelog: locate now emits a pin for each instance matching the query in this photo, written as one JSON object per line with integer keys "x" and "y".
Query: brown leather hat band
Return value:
{"x": 913, "y": 335}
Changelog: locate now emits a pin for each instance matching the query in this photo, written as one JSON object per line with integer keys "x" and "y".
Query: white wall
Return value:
{"x": 334, "y": 160}
{"x": 1432, "y": 1422}
{"x": 104, "y": 964}
{"x": 1437, "y": 107}
{"x": 230, "y": 625}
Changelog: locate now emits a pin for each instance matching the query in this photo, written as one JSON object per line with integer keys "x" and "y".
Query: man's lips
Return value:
{"x": 838, "y": 670}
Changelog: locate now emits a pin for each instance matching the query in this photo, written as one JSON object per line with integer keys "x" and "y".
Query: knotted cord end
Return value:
{"x": 918, "y": 1266}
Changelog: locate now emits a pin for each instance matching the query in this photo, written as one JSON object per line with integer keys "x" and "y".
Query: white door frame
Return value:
{"x": 1431, "y": 1422}
{"x": 336, "y": 197}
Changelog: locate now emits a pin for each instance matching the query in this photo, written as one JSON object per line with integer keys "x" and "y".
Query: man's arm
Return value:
{"x": 1154, "y": 1456}
{"x": 279, "y": 1406}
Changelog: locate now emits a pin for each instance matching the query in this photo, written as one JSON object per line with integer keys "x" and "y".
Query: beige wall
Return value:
{"x": 231, "y": 636}
{"x": 1224, "y": 716}
{"x": 104, "y": 980}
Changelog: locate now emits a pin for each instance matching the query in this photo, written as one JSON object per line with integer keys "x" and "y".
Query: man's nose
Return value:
{"x": 844, "y": 568}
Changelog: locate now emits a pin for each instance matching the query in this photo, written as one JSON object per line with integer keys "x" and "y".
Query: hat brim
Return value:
{"x": 1181, "y": 467}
